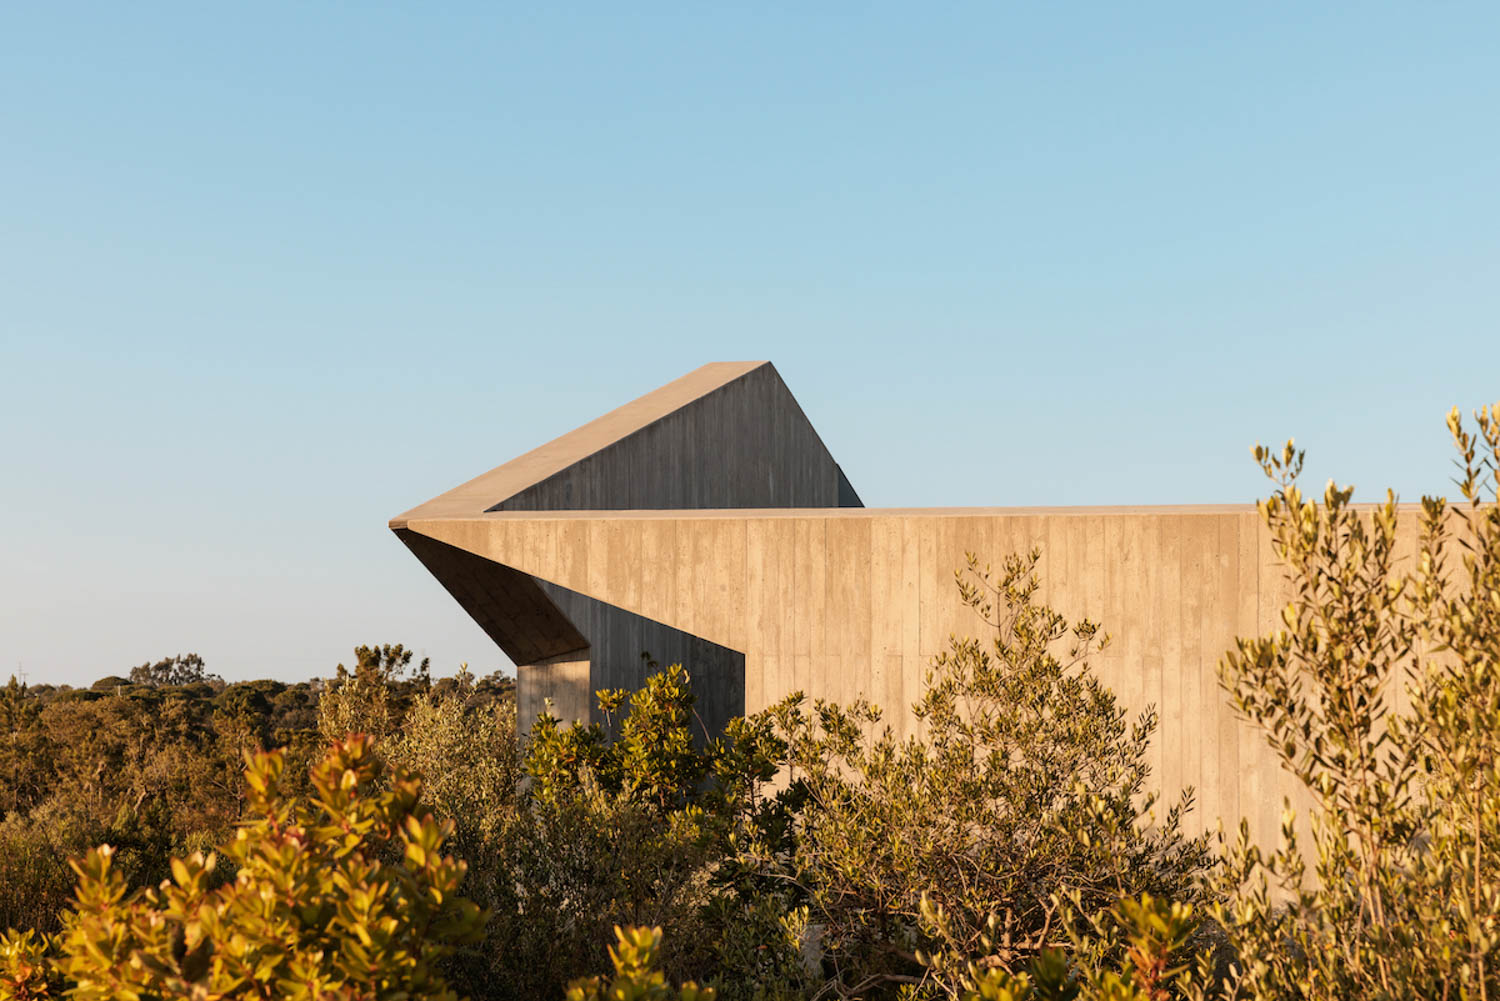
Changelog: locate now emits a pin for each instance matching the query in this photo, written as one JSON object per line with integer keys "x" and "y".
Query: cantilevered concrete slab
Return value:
{"x": 707, "y": 523}
{"x": 726, "y": 436}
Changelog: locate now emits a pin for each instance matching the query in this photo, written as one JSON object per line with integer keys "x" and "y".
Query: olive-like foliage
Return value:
{"x": 344, "y": 895}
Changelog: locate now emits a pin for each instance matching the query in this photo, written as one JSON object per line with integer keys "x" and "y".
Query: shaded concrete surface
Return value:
{"x": 728, "y": 435}
{"x": 623, "y": 646}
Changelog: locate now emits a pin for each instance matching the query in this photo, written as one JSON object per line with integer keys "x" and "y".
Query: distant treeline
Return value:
{"x": 152, "y": 763}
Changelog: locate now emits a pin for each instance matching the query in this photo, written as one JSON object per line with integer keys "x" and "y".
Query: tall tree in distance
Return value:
{"x": 183, "y": 669}
{"x": 360, "y": 701}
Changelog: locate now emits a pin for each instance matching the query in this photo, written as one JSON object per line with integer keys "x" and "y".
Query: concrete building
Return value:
{"x": 706, "y": 523}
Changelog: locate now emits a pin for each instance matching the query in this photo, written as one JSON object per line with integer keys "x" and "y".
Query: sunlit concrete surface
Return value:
{"x": 706, "y": 523}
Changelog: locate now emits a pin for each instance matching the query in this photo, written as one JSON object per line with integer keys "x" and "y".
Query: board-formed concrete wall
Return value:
{"x": 843, "y": 603}
{"x": 729, "y": 435}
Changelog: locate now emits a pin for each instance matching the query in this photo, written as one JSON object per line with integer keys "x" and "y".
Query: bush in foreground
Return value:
{"x": 1404, "y": 892}
{"x": 347, "y": 896}
{"x": 1020, "y": 812}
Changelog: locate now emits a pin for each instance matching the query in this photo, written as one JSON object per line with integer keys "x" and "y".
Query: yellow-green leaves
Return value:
{"x": 1383, "y": 697}
{"x": 26, "y": 967}
{"x": 315, "y": 910}
{"x": 636, "y": 978}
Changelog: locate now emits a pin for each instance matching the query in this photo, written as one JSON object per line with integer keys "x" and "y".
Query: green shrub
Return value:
{"x": 370, "y": 698}
{"x": 625, "y": 823}
{"x": 1026, "y": 785}
{"x": 1136, "y": 950}
{"x": 347, "y": 896}
{"x": 27, "y": 968}
{"x": 35, "y": 881}
{"x": 464, "y": 747}
{"x": 1404, "y": 888}
{"x": 636, "y": 977}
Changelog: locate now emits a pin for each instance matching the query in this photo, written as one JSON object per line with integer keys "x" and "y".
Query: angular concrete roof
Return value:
{"x": 728, "y": 435}
{"x": 725, "y": 443}
{"x": 731, "y": 425}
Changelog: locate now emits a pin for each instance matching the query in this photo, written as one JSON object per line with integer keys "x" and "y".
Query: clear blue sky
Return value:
{"x": 270, "y": 275}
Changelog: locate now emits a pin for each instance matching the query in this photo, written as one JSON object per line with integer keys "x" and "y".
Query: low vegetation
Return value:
{"x": 1011, "y": 850}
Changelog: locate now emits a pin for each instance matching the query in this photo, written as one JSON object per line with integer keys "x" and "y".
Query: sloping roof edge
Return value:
{"x": 477, "y": 495}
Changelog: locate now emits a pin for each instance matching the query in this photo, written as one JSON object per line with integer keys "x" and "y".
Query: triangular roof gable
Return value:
{"x": 727, "y": 435}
